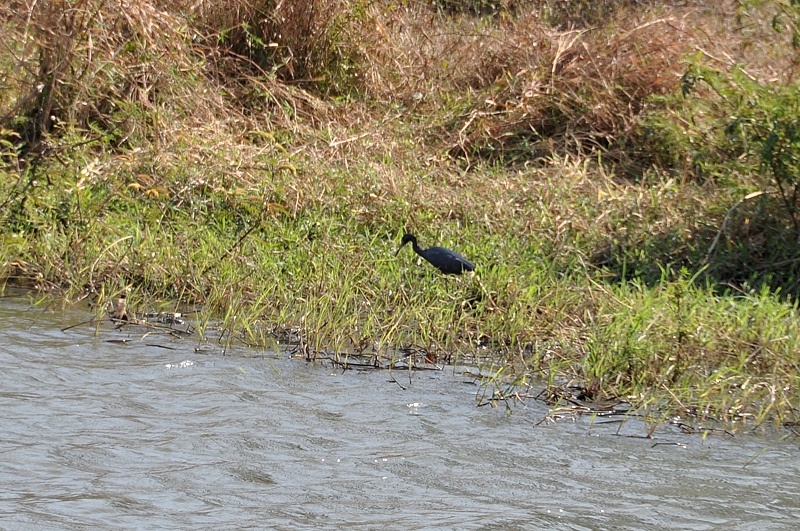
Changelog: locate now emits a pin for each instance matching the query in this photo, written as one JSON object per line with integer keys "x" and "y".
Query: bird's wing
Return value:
{"x": 447, "y": 260}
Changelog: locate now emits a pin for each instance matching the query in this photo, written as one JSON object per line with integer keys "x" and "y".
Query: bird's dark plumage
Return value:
{"x": 445, "y": 260}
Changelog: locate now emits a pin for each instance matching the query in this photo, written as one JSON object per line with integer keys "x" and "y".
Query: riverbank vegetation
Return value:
{"x": 624, "y": 175}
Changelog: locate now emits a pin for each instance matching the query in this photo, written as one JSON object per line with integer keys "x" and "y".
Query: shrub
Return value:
{"x": 312, "y": 43}
{"x": 77, "y": 65}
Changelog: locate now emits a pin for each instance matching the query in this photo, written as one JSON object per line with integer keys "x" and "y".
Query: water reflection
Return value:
{"x": 131, "y": 435}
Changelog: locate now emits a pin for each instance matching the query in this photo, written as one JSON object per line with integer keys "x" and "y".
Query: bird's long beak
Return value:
{"x": 398, "y": 249}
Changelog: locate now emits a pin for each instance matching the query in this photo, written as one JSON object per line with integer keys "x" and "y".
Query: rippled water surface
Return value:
{"x": 151, "y": 434}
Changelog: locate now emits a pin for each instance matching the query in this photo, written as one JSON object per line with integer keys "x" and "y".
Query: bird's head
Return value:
{"x": 407, "y": 237}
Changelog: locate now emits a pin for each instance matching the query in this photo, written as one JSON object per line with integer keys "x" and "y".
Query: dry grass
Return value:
{"x": 509, "y": 88}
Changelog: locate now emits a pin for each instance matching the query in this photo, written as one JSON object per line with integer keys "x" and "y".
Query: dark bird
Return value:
{"x": 445, "y": 260}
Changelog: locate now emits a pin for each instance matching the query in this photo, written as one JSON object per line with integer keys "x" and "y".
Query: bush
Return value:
{"x": 312, "y": 43}
{"x": 77, "y": 66}
{"x": 570, "y": 92}
{"x": 730, "y": 128}
{"x": 729, "y": 123}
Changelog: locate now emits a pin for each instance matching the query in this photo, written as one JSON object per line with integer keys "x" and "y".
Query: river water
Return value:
{"x": 153, "y": 433}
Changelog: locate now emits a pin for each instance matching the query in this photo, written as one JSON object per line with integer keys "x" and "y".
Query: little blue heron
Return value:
{"x": 445, "y": 260}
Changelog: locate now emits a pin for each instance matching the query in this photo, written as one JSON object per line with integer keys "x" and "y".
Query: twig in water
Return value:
{"x": 682, "y": 445}
{"x": 398, "y": 383}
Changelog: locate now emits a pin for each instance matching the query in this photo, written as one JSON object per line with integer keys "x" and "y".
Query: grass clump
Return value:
{"x": 711, "y": 355}
{"x": 261, "y": 162}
